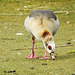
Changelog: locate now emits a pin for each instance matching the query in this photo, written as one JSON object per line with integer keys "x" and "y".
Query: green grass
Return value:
{"x": 14, "y": 48}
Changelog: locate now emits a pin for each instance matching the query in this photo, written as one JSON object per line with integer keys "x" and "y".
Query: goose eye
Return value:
{"x": 49, "y": 47}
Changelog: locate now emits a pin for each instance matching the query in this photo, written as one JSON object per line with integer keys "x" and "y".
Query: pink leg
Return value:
{"x": 45, "y": 56}
{"x": 32, "y": 55}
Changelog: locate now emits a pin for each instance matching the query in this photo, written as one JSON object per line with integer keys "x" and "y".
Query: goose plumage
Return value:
{"x": 42, "y": 25}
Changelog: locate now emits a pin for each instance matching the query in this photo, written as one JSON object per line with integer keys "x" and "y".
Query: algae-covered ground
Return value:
{"x": 16, "y": 43}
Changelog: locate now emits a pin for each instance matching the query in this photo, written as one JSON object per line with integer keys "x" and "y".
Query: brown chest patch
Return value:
{"x": 45, "y": 33}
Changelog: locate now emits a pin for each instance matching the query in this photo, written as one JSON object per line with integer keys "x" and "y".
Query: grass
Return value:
{"x": 13, "y": 48}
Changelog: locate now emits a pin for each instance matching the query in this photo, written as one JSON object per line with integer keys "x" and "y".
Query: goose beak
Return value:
{"x": 52, "y": 55}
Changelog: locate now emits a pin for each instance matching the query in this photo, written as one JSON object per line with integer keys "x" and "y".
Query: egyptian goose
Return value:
{"x": 42, "y": 25}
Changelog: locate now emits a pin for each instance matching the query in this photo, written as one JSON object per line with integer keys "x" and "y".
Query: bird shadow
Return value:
{"x": 66, "y": 56}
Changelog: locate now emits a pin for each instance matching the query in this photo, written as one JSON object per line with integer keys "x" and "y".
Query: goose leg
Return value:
{"x": 45, "y": 56}
{"x": 32, "y": 55}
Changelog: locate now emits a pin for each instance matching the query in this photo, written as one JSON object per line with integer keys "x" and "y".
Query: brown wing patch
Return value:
{"x": 45, "y": 33}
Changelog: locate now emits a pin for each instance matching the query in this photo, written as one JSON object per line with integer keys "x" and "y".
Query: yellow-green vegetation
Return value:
{"x": 14, "y": 48}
